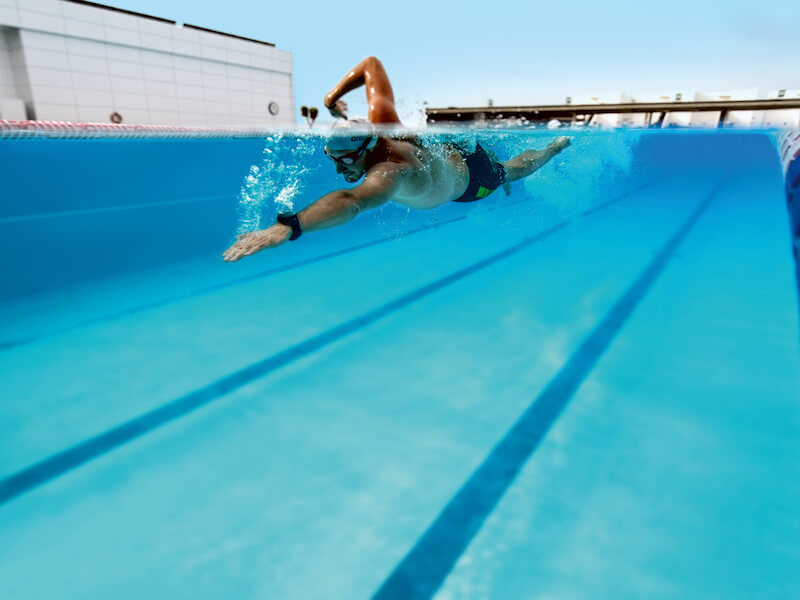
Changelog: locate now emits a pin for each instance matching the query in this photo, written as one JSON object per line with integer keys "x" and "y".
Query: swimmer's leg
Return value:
{"x": 530, "y": 161}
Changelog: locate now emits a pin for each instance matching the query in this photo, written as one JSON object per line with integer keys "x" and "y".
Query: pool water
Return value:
{"x": 587, "y": 388}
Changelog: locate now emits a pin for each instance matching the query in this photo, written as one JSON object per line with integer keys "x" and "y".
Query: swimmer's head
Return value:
{"x": 349, "y": 144}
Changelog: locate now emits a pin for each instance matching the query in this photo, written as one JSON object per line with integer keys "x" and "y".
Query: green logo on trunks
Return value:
{"x": 483, "y": 192}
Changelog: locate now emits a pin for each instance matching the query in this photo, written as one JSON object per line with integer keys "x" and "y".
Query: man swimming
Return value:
{"x": 394, "y": 168}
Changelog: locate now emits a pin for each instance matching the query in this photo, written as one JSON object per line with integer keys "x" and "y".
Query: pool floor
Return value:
{"x": 346, "y": 437}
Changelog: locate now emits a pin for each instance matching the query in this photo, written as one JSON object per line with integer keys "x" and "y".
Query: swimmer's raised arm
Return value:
{"x": 333, "y": 209}
{"x": 380, "y": 96}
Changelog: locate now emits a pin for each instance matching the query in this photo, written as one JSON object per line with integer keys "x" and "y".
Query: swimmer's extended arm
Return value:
{"x": 342, "y": 206}
{"x": 335, "y": 208}
{"x": 380, "y": 97}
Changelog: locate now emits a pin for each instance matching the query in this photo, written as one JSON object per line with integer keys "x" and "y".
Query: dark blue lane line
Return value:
{"x": 423, "y": 570}
{"x": 217, "y": 286}
{"x": 9, "y": 344}
{"x": 58, "y": 464}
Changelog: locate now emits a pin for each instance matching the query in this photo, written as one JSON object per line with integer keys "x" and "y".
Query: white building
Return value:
{"x": 72, "y": 60}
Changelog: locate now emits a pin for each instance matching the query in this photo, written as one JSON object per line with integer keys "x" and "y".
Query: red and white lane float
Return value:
{"x": 65, "y": 129}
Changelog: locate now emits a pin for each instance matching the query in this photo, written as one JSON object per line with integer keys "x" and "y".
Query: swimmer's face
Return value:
{"x": 351, "y": 163}
{"x": 353, "y": 171}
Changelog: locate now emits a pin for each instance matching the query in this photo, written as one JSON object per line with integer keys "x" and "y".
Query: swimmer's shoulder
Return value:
{"x": 403, "y": 150}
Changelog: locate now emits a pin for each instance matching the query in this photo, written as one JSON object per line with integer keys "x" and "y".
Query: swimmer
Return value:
{"x": 393, "y": 167}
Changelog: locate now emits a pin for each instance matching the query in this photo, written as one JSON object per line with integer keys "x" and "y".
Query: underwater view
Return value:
{"x": 583, "y": 384}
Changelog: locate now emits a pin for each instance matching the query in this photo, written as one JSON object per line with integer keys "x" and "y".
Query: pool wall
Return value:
{"x": 76, "y": 210}
{"x": 788, "y": 143}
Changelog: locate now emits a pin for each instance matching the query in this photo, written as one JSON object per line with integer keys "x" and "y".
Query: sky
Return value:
{"x": 516, "y": 52}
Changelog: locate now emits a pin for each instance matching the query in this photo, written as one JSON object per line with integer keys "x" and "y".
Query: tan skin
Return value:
{"x": 395, "y": 169}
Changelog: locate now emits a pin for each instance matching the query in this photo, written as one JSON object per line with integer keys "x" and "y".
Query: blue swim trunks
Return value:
{"x": 485, "y": 175}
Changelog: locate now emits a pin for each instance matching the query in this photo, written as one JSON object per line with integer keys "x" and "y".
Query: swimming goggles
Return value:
{"x": 351, "y": 157}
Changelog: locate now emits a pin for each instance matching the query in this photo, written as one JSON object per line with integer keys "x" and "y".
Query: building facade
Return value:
{"x": 72, "y": 60}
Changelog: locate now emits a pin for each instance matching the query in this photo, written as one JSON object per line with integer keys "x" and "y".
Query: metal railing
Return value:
{"x": 582, "y": 112}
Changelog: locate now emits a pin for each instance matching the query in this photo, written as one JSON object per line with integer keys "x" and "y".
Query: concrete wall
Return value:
{"x": 15, "y": 91}
{"x": 84, "y": 63}
{"x": 7, "y": 84}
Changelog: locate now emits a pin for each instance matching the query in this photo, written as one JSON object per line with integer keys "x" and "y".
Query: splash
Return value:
{"x": 289, "y": 161}
{"x": 594, "y": 166}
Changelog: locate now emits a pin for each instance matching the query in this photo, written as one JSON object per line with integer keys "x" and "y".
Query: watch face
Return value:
{"x": 273, "y": 108}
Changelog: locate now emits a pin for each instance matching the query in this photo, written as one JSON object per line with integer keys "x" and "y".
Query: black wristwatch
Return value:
{"x": 292, "y": 221}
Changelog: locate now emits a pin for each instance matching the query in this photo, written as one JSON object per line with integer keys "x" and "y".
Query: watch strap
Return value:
{"x": 292, "y": 221}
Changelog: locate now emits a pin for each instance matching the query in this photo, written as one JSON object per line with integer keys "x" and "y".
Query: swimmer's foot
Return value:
{"x": 559, "y": 144}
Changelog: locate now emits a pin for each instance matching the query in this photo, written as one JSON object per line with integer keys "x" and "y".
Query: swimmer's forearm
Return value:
{"x": 336, "y": 208}
{"x": 353, "y": 80}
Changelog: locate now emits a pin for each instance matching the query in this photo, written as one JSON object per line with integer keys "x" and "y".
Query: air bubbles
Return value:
{"x": 288, "y": 164}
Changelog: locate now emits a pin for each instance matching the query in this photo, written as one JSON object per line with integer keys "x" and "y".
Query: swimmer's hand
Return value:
{"x": 250, "y": 243}
{"x": 339, "y": 110}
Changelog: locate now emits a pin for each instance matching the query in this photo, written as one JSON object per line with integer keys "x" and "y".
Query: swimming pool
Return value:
{"x": 589, "y": 388}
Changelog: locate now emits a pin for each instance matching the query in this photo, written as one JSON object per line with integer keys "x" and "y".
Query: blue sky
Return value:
{"x": 517, "y": 52}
